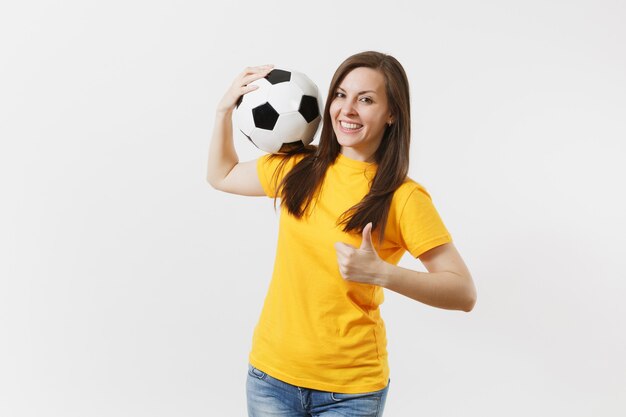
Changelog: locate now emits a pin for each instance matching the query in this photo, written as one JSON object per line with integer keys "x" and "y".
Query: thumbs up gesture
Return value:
{"x": 360, "y": 264}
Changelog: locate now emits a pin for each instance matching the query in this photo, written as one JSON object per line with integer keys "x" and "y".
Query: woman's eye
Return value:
{"x": 363, "y": 99}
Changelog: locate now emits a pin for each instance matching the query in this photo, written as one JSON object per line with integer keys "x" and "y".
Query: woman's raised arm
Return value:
{"x": 224, "y": 171}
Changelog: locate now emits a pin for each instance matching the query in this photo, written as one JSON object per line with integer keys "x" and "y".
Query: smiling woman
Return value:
{"x": 348, "y": 214}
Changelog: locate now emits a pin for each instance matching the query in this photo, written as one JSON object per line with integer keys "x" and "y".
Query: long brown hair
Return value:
{"x": 392, "y": 156}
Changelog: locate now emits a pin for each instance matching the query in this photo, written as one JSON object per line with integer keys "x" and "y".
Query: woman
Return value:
{"x": 348, "y": 214}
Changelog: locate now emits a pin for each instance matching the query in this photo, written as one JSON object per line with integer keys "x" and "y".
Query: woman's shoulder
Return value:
{"x": 409, "y": 187}
{"x": 273, "y": 168}
{"x": 410, "y": 192}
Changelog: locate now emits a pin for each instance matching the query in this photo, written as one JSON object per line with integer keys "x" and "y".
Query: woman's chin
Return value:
{"x": 347, "y": 141}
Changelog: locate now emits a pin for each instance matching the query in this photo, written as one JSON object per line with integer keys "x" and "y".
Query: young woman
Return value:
{"x": 348, "y": 214}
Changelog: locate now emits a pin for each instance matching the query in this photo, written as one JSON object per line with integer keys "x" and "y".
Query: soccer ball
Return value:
{"x": 283, "y": 113}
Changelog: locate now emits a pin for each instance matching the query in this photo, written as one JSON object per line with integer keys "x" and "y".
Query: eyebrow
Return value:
{"x": 360, "y": 92}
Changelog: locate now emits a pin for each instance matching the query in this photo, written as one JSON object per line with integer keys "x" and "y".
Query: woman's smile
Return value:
{"x": 349, "y": 128}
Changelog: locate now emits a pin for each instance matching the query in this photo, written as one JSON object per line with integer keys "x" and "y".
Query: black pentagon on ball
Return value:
{"x": 278, "y": 76}
{"x": 308, "y": 108}
{"x": 265, "y": 117}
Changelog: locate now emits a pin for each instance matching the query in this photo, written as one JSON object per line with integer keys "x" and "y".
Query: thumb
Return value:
{"x": 366, "y": 243}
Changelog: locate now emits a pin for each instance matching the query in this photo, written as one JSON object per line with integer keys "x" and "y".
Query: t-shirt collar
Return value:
{"x": 353, "y": 163}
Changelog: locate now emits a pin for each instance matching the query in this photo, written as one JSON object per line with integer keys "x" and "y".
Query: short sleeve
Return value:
{"x": 270, "y": 176}
{"x": 421, "y": 227}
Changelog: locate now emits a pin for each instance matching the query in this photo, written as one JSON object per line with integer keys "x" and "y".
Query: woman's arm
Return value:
{"x": 224, "y": 171}
{"x": 447, "y": 284}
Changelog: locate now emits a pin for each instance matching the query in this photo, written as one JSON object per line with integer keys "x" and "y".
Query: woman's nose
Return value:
{"x": 347, "y": 107}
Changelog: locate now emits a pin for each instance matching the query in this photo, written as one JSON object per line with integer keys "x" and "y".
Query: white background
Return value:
{"x": 130, "y": 287}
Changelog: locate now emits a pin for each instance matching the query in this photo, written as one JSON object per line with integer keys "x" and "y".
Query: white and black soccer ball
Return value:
{"x": 285, "y": 111}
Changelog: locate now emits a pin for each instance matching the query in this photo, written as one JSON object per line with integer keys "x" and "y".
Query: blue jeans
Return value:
{"x": 268, "y": 396}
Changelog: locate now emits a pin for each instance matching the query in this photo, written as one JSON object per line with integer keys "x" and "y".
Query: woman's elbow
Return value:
{"x": 213, "y": 182}
{"x": 470, "y": 299}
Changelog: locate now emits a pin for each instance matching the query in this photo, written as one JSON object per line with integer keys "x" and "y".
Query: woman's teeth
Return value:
{"x": 351, "y": 126}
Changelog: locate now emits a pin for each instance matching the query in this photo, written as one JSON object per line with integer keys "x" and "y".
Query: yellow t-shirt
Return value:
{"x": 316, "y": 329}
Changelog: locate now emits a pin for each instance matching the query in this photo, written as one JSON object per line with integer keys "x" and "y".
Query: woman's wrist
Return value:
{"x": 385, "y": 270}
{"x": 223, "y": 112}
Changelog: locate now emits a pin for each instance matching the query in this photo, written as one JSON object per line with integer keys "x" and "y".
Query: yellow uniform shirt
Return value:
{"x": 316, "y": 329}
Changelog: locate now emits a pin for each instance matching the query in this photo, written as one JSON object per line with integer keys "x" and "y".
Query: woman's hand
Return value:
{"x": 240, "y": 86}
{"x": 360, "y": 264}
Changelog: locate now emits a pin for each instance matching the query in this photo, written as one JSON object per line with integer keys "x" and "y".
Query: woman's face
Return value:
{"x": 359, "y": 112}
